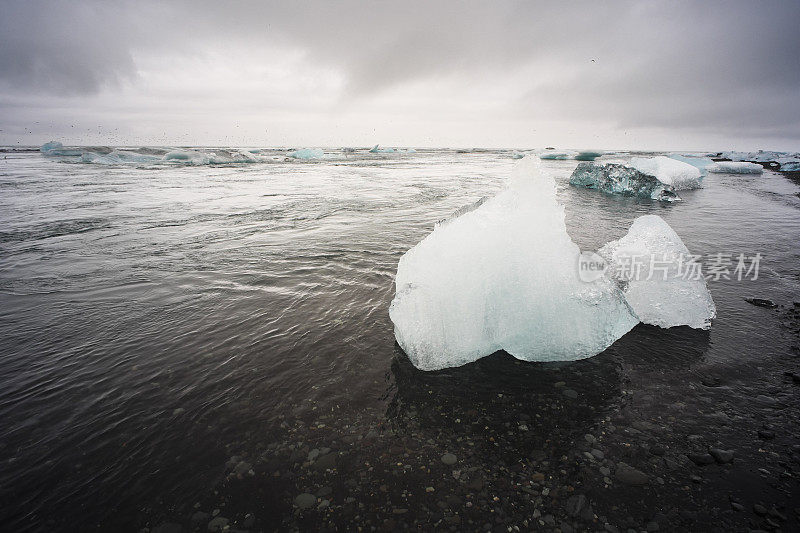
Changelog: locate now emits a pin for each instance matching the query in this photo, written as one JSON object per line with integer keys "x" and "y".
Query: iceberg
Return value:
{"x": 502, "y": 275}
{"x": 55, "y": 148}
{"x": 118, "y": 157}
{"x": 588, "y": 155}
{"x": 788, "y": 164}
{"x": 558, "y": 155}
{"x": 677, "y": 174}
{"x": 616, "y": 178}
{"x": 660, "y": 280}
{"x": 377, "y": 150}
{"x": 178, "y": 155}
{"x": 700, "y": 162}
{"x": 786, "y": 161}
{"x": 760, "y": 156}
{"x": 52, "y": 145}
{"x": 307, "y": 153}
{"x": 735, "y": 167}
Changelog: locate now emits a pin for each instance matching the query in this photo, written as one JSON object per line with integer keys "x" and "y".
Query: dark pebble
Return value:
{"x": 721, "y": 456}
{"x": 766, "y": 434}
{"x": 761, "y": 302}
{"x": 631, "y": 476}
{"x": 701, "y": 459}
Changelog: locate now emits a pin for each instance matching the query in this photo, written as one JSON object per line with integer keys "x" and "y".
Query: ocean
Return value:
{"x": 205, "y": 339}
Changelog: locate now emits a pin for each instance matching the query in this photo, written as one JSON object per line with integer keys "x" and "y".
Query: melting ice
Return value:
{"x": 646, "y": 177}
{"x": 669, "y": 289}
{"x": 616, "y": 178}
{"x": 503, "y": 274}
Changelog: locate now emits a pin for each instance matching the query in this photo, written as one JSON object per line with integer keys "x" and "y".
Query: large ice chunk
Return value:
{"x": 735, "y": 167}
{"x": 677, "y": 174}
{"x": 615, "y": 178}
{"x": 660, "y": 279}
{"x": 503, "y": 275}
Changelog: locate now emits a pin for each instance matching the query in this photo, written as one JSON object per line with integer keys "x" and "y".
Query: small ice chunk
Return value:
{"x": 178, "y": 155}
{"x": 503, "y": 275}
{"x": 517, "y": 155}
{"x": 677, "y": 174}
{"x": 308, "y": 153}
{"x": 558, "y": 155}
{"x": 52, "y": 145}
{"x": 615, "y": 178}
{"x": 735, "y": 167}
{"x": 788, "y": 164}
{"x": 588, "y": 155}
{"x": 55, "y": 148}
{"x": 378, "y": 150}
{"x": 661, "y": 282}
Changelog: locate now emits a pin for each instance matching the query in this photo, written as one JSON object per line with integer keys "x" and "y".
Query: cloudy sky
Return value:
{"x": 650, "y": 75}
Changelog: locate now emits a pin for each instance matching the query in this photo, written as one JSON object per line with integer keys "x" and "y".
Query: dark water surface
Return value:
{"x": 179, "y": 339}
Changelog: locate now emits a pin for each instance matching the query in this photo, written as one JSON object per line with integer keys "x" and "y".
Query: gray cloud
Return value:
{"x": 711, "y": 66}
{"x": 62, "y": 48}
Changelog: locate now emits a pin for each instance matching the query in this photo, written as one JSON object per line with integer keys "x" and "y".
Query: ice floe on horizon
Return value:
{"x": 307, "y": 153}
{"x": 782, "y": 161}
{"x": 735, "y": 167}
{"x": 145, "y": 155}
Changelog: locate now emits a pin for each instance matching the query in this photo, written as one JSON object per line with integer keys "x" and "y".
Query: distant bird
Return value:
{"x": 593, "y": 61}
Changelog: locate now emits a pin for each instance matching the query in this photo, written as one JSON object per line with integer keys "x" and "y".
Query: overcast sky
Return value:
{"x": 649, "y": 75}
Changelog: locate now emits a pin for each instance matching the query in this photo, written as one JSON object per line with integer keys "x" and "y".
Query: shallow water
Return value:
{"x": 156, "y": 320}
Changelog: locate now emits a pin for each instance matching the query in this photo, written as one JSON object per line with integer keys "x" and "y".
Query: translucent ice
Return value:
{"x": 55, "y": 148}
{"x": 789, "y": 164}
{"x": 615, "y": 178}
{"x": 52, "y": 145}
{"x": 549, "y": 154}
{"x": 378, "y": 150}
{"x": 735, "y": 167}
{"x": 308, "y": 153}
{"x": 677, "y": 174}
{"x": 760, "y": 156}
{"x": 660, "y": 280}
{"x": 696, "y": 161}
{"x": 588, "y": 155}
{"x": 118, "y": 157}
{"x": 503, "y": 275}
